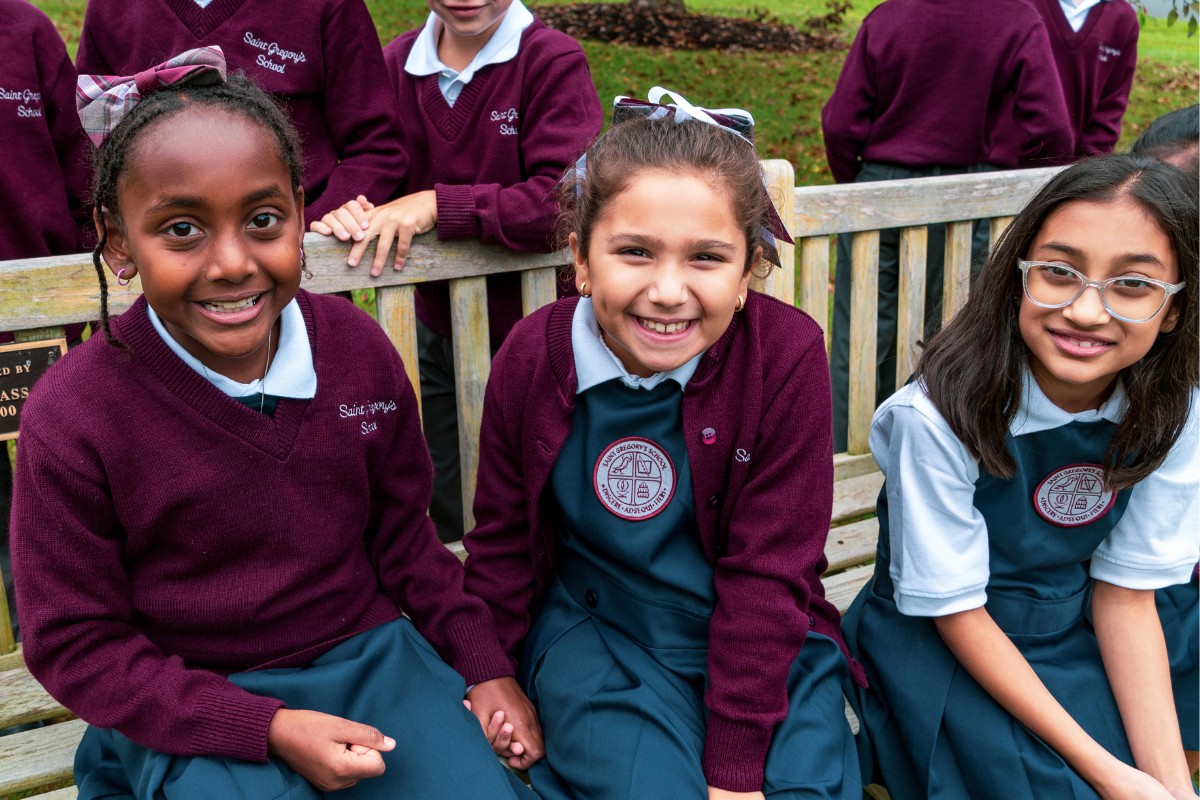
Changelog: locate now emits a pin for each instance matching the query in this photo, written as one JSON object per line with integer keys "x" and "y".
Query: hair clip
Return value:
{"x": 104, "y": 100}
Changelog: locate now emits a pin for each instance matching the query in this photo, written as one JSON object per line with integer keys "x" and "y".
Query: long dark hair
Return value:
{"x": 972, "y": 369}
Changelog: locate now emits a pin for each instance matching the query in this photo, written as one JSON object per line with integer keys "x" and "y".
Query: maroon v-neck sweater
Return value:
{"x": 47, "y": 156}
{"x": 763, "y": 490}
{"x": 1096, "y": 67}
{"x": 321, "y": 58}
{"x": 495, "y": 157}
{"x": 165, "y": 535}
{"x": 931, "y": 83}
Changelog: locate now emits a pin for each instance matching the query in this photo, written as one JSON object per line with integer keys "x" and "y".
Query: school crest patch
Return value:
{"x": 634, "y": 478}
{"x": 1073, "y": 496}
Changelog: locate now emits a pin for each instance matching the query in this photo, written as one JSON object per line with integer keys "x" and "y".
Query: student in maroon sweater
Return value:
{"x": 654, "y": 494}
{"x": 495, "y": 106}
{"x": 320, "y": 58}
{"x": 922, "y": 93}
{"x": 223, "y": 557}
{"x": 48, "y": 157}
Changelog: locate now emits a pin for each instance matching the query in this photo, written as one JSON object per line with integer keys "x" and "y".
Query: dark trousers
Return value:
{"x": 889, "y": 279}
{"x": 439, "y": 412}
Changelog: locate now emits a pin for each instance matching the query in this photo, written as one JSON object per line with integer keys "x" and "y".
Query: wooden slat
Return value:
{"x": 855, "y": 497}
{"x": 539, "y": 287}
{"x": 69, "y": 793}
{"x": 472, "y": 363}
{"x": 848, "y": 208}
{"x": 958, "y": 268}
{"x": 864, "y": 305}
{"x": 13, "y": 660}
{"x": 910, "y": 314}
{"x": 38, "y": 758}
{"x": 813, "y": 288}
{"x": 851, "y": 545}
{"x": 7, "y": 642}
{"x": 841, "y": 589}
{"x": 848, "y": 466}
{"x": 25, "y": 700}
{"x": 38, "y": 292}
{"x": 999, "y": 226}
{"x": 396, "y": 311}
{"x": 780, "y": 283}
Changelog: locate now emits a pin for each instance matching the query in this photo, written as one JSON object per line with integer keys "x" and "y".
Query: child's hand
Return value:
{"x": 509, "y": 721}
{"x": 724, "y": 794}
{"x": 347, "y": 222}
{"x": 330, "y": 752}
{"x": 1127, "y": 783}
{"x": 398, "y": 221}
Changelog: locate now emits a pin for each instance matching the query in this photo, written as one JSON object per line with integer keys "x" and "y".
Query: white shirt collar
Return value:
{"x": 291, "y": 373}
{"x": 1077, "y": 14}
{"x": 1038, "y": 413}
{"x": 596, "y": 364}
{"x": 502, "y": 46}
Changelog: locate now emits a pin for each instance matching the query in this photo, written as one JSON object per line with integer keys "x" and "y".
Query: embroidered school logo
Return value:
{"x": 29, "y": 102}
{"x": 1107, "y": 52}
{"x": 634, "y": 478}
{"x": 1073, "y": 496}
{"x": 507, "y": 119}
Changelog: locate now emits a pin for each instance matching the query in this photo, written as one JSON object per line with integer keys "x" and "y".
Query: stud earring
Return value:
{"x": 121, "y": 279}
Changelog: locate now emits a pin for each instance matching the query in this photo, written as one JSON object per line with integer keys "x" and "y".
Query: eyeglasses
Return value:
{"x": 1129, "y": 298}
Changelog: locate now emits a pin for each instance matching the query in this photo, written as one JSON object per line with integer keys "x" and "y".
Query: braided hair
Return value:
{"x": 237, "y": 95}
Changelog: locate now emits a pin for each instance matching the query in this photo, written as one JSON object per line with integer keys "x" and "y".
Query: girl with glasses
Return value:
{"x": 1042, "y": 481}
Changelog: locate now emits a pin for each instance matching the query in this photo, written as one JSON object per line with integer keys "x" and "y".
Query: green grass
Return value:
{"x": 784, "y": 92}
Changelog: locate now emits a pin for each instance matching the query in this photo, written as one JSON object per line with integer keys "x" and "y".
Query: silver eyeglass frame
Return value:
{"x": 1085, "y": 282}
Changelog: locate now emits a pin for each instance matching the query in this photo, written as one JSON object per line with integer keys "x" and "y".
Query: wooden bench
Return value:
{"x": 39, "y": 296}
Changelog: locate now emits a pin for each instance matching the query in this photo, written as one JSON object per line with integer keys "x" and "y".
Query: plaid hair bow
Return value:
{"x": 734, "y": 120}
{"x": 104, "y": 100}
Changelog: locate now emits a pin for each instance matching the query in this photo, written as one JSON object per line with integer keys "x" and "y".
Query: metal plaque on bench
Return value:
{"x": 21, "y": 364}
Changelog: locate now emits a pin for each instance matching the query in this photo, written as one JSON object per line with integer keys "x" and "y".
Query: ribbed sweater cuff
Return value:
{"x": 734, "y": 755}
{"x": 456, "y": 212}
{"x": 235, "y": 724}
{"x": 478, "y": 654}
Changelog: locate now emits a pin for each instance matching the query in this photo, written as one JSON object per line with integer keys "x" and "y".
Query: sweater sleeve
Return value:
{"x": 79, "y": 626}
{"x": 764, "y": 581}
{"x": 848, "y": 115}
{"x": 1039, "y": 107}
{"x": 559, "y": 116}
{"x": 1099, "y": 134}
{"x": 424, "y": 578}
{"x": 361, "y": 113}
{"x": 89, "y": 58}
{"x": 71, "y": 145}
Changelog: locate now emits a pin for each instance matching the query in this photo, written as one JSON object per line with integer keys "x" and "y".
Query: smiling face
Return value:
{"x": 209, "y": 221}
{"x": 469, "y": 18}
{"x": 1076, "y": 352}
{"x": 665, "y": 266}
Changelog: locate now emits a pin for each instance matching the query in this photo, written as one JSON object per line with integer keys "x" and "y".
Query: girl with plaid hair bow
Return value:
{"x": 223, "y": 558}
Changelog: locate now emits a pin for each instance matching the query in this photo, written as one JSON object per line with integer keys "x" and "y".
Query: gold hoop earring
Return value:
{"x": 741, "y": 303}
{"x": 583, "y": 292}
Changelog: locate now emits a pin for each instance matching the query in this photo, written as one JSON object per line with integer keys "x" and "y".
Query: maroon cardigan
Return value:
{"x": 763, "y": 492}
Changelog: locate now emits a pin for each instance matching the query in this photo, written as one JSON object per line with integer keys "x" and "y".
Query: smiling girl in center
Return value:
{"x": 655, "y": 489}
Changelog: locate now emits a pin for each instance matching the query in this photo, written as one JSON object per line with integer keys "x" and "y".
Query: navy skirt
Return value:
{"x": 624, "y": 718}
{"x": 930, "y": 731}
{"x": 1177, "y": 609}
{"x": 388, "y": 677}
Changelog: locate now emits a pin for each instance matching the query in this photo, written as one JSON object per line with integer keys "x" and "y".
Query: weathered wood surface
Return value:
{"x": 25, "y": 700}
{"x": 395, "y": 308}
{"x": 910, "y": 311}
{"x": 853, "y": 207}
{"x": 472, "y": 365}
{"x": 38, "y": 758}
{"x": 864, "y": 305}
{"x": 40, "y": 292}
{"x": 812, "y": 289}
{"x": 855, "y": 497}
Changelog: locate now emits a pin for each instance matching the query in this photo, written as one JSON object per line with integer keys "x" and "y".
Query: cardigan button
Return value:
{"x": 591, "y": 598}
{"x": 714, "y": 500}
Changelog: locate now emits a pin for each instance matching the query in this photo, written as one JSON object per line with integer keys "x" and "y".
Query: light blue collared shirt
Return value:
{"x": 1077, "y": 14}
{"x": 502, "y": 46}
{"x": 939, "y": 540}
{"x": 595, "y": 363}
{"x": 291, "y": 373}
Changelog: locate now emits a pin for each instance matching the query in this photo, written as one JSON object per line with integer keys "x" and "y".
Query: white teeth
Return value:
{"x": 225, "y": 307}
{"x": 1087, "y": 343}
{"x": 663, "y": 327}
